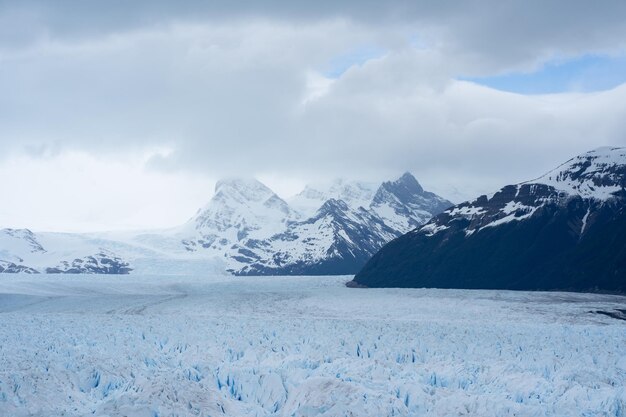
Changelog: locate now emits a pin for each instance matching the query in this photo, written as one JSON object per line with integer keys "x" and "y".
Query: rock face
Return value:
{"x": 563, "y": 231}
{"x": 245, "y": 229}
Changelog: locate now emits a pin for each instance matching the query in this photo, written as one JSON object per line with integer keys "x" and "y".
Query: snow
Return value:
{"x": 240, "y": 204}
{"x": 311, "y": 242}
{"x": 354, "y": 193}
{"x": 584, "y": 222}
{"x": 402, "y": 216}
{"x": 147, "y": 253}
{"x": 432, "y": 229}
{"x": 302, "y": 346}
{"x": 512, "y": 216}
{"x": 514, "y": 206}
{"x": 466, "y": 211}
{"x": 583, "y": 174}
{"x": 514, "y": 211}
{"x": 392, "y": 218}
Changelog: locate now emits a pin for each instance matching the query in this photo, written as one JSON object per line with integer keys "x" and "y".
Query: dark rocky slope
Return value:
{"x": 563, "y": 231}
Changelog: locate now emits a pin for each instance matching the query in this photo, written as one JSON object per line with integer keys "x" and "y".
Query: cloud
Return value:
{"x": 488, "y": 32}
{"x": 76, "y": 191}
{"x": 301, "y": 90}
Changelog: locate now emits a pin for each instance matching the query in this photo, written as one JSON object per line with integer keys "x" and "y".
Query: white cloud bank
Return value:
{"x": 235, "y": 93}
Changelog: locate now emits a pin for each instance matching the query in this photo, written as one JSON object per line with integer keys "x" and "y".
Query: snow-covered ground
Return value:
{"x": 302, "y": 346}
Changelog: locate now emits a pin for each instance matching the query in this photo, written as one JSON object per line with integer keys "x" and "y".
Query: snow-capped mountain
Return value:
{"x": 354, "y": 193}
{"x": 245, "y": 207}
{"x": 564, "y": 230}
{"x": 18, "y": 241}
{"x": 240, "y": 210}
{"x": 21, "y": 250}
{"x": 336, "y": 240}
{"x": 244, "y": 229}
{"x": 599, "y": 174}
{"x": 403, "y": 204}
{"x": 13, "y": 268}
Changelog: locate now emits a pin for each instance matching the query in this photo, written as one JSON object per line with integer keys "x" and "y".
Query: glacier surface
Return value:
{"x": 80, "y": 345}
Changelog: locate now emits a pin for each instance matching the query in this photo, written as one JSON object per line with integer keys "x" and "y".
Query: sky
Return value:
{"x": 123, "y": 115}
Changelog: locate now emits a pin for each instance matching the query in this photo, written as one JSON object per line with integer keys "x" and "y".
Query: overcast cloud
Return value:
{"x": 148, "y": 99}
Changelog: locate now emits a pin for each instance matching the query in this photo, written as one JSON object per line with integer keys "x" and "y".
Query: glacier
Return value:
{"x": 197, "y": 345}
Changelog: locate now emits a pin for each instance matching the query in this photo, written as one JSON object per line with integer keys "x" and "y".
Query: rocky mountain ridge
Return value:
{"x": 245, "y": 229}
{"x": 338, "y": 238}
{"x": 564, "y": 230}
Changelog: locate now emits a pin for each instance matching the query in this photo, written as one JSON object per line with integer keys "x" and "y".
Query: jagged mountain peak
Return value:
{"x": 337, "y": 211}
{"x": 405, "y": 188}
{"x": 404, "y": 204}
{"x": 333, "y": 204}
{"x": 407, "y": 182}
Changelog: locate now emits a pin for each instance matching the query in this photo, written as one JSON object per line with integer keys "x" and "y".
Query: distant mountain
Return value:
{"x": 12, "y": 268}
{"x": 239, "y": 211}
{"x": 403, "y": 204}
{"x": 343, "y": 231}
{"x": 22, "y": 251}
{"x": 565, "y": 230}
{"x": 336, "y": 240}
{"x": 354, "y": 193}
{"x": 245, "y": 229}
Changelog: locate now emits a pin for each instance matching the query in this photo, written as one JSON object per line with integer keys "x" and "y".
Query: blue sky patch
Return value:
{"x": 357, "y": 56}
{"x": 587, "y": 73}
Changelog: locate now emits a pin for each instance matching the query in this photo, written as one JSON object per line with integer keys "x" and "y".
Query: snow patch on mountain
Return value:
{"x": 597, "y": 174}
{"x": 243, "y": 208}
{"x": 336, "y": 233}
{"x": 18, "y": 241}
{"x": 432, "y": 229}
{"x": 354, "y": 193}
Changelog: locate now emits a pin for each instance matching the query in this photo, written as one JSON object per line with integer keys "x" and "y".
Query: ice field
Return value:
{"x": 302, "y": 346}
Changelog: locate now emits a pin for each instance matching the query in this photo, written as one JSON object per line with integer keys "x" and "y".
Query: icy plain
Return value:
{"x": 302, "y": 346}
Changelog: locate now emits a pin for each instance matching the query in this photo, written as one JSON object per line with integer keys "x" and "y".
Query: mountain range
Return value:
{"x": 245, "y": 229}
{"x": 565, "y": 230}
